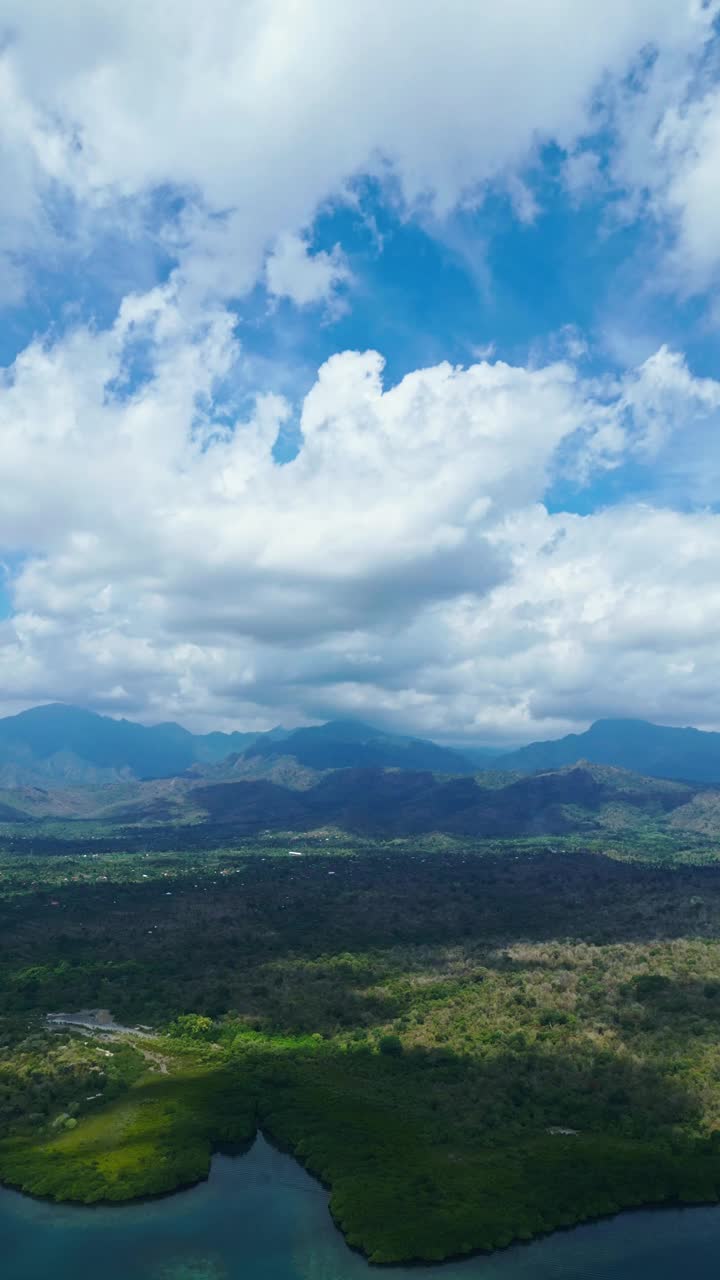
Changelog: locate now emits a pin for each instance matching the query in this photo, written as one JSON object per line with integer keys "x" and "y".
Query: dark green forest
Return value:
{"x": 468, "y": 1044}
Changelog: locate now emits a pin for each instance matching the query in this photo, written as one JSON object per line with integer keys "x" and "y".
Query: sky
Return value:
{"x": 361, "y": 360}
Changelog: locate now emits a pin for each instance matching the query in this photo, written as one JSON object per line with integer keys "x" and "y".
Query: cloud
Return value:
{"x": 291, "y": 271}
{"x": 610, "y": 614}
{"x": 662, "y": 397}
{"x": 667, "y": 157}
{"x": 401, "y": 564}
{"x": 29, "y": 163}
{"x": 691, "y": 142}
{"x": 253, "y": 116}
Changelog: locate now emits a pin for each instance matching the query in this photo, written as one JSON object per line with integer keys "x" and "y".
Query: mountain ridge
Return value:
{"x": 584, "y": 799}
{"x": 348, "y": 744}
{"x": 65, "y": 745}
{"x": 60, "y": 745}
{"x": 660, "y": 751}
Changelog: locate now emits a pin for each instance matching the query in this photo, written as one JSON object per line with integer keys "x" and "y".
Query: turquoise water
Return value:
{"x": 261, "y": 1217}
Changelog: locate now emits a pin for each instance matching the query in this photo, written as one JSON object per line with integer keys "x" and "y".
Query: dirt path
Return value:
{"x": 156, "y": 1059}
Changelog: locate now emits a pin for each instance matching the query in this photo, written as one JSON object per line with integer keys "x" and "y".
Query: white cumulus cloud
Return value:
{"x": 292, "y": 271}
{"x": 401, "y": 564}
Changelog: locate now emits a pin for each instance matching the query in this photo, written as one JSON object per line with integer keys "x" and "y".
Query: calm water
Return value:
{"x": 261, "y": 1217}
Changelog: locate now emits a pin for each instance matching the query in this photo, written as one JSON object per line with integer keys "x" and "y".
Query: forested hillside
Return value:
{"x": 586, "y": 800}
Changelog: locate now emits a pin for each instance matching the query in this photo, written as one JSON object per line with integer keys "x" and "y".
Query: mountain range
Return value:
{"x": 658, "y": 751}
{"x": 58, "y": 746}
{"x": 348, "y": 744}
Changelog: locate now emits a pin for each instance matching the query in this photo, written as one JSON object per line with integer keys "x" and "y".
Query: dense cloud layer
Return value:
{"x": 401, "y": 562}
{"x": 402, "y": 566}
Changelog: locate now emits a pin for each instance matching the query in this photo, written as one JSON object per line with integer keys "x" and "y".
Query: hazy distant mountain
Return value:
{"x": 59, "y": 745}
{"x": 348, "y": 744}
{"x": 64, "y": 746}
{"x": 651, "y": 749}
{"x": 481, "y": 757}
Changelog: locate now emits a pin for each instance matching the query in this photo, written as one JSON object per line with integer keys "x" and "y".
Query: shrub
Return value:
{"x": 391, "y": 1045}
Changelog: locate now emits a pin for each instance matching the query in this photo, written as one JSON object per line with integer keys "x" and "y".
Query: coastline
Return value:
{"x": 239, "y": 1149}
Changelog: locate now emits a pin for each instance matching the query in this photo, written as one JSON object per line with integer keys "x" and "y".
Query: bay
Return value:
{"x": 261, "y": 1217}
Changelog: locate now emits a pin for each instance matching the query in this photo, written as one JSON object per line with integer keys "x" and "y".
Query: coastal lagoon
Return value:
{"x": 261, "y": 1217}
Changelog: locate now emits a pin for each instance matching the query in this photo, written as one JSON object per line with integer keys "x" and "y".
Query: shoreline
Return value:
{"x": 237, "y": 1150}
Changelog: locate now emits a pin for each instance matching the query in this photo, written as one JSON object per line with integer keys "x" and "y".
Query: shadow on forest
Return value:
{"x": 439, "y": 1100}
{"x": 688, "y": 1005}
{"x": 290, "y": 938}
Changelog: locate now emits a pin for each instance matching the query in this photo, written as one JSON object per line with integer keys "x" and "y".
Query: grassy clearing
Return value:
{"x": 157, "y": 1137}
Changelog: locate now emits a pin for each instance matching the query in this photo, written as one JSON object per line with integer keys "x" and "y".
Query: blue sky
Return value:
{"x": 221, "y": 505}
{"x": 477, "y": 283}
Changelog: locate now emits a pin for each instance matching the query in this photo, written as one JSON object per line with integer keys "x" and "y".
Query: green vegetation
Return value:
{"x": 468, "y": 1046}
{"x": 46, "y": 1079}
{"x": 157, "y": 1136}
{"x": 278, "y": 795}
